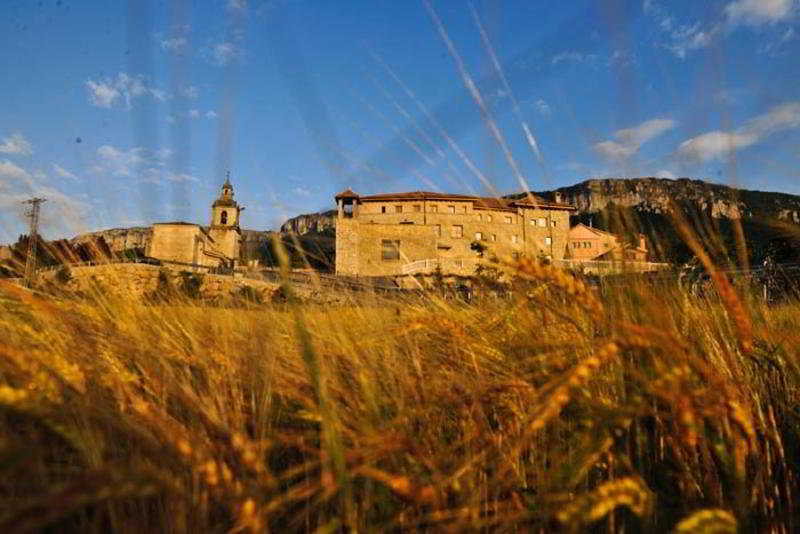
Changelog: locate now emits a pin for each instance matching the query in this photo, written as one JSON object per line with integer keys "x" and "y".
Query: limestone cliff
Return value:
{"x": 310, "y": 223}
{"x": 653, "y": 195}
{"x": 119, "y": 239}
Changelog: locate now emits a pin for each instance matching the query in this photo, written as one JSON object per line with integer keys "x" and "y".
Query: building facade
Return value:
{"x": 416, "y": 232}
{"x": 216, "y": 246}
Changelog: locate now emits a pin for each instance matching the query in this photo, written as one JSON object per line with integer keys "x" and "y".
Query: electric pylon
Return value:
{"x": 33, "y": 238}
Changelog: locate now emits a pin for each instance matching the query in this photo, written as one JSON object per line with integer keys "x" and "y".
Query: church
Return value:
{"x": 215, "y": 246}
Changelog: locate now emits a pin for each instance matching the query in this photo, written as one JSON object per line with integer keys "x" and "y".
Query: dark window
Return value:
{"x": 390, "y": 250}
{"x": 398, "y": 209}
{"x": 223, "y": 217}
{"x": 417, "y": 208}
{"x": 383, "y": 209}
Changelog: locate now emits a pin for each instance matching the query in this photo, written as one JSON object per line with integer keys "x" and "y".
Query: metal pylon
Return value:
{"x": 33, "y": 238}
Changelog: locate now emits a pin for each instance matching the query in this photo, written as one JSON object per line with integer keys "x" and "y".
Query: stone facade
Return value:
{"x": 591, "y": 244}
{"x": 405, "y": 233}
{"x": 191, "y": 244}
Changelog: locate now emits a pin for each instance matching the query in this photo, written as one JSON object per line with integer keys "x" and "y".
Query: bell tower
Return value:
{"x": 224, "y": 228}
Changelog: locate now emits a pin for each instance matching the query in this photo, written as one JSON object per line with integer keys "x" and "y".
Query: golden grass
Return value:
{"x": 638, "y": 408}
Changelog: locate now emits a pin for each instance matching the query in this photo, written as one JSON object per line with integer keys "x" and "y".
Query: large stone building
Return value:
{"x": 408, "y": 233}
{"x": 590, "y": 244}
{"x": 193, "y": 245}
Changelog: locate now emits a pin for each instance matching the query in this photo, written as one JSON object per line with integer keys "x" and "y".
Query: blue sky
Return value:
{"x": 128, "y": 113}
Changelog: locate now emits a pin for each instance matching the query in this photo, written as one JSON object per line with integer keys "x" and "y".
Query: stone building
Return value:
{"x": 416, "y": 232}
{"x": 215, "y": 246}
{"x": 585, "y": 243}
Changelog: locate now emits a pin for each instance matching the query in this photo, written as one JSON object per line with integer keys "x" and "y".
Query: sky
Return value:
{"x": 128, "y": 113}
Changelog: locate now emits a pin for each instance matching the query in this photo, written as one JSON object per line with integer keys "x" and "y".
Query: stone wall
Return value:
{"x": 445, "y": 235}
{"x": 136, "y": 280}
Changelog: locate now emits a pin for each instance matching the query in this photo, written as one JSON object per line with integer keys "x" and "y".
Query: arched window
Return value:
{"x": 223, "y": 217}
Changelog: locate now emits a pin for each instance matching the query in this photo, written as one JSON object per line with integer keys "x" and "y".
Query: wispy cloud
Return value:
{"x": 629, "y": 140}
{"x": 9, "y": 169}
{"x": 16, "y": 144}
{"x": 719, "y": 144}
{"x": 174, "y": 44}
{"x": 211, "y": 114}
{"x": 194, "y": 113}
{"x": 108, "y": 92}
{"x": 138, "y": 163}
{"x": 61, "y": 172}
{"x": 542, "y": 107}
{"x": 190, "y": 91}
{"x": 758, "y": 12}
{"x": 571, "y": 56}
{"x": 225, "y": 53}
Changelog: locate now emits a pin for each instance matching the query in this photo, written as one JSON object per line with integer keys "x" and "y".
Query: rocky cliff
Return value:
{"x": 310, "y": 223}
{"x": 119, "y": 239}
{"x": 653, "y": 195}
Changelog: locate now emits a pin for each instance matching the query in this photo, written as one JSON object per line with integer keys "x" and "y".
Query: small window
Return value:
{"x": 542, "y": 222}
{"x": 398, "y": 209}
{"x": 223, "y": 217}
{"x": 458, "y": 263}
{"x": 451, "y": 209}
{"x": 433, "y": 209}
{"x": 438, "y": 230}
{"x": 480, "y": 216}
{"x": 587, "y": 244}
{"x": 478, "y": 236}
{"x": 553, "y": 223}
{"x": 493, "y": 237}
{"x": 548, "y": 240}
{"x": 465, "y": 209}
{"x": 417, "y": 208}
{"x": 514, "y": 239}
{"x": 390, "y": 250}
{"x": 488, "y": 217}
{"x": 457, "y": 231}
{"x": 507, "y": 218}
{"x": 383, "y": 209}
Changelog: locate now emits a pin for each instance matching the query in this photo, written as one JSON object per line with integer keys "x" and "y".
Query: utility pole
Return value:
{"x": 33, "y": 237}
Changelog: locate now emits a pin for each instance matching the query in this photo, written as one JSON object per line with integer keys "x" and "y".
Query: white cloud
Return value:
{"x": 629, "y": 140}
{"x": 719, "y": 144}
{"x": 194, "y": 113}
{"x": 11, "y": 170}
{"x": 105, "y": 93}
{"x": 139, "y": 163}
{"x": 190, "y": 92}
{"x": 224, "y": 53}
{"x": 301, "y": 191}
{"x": 237, "y": 5}
{"x": 211, "y": 114}
{"x": 119, "y": 162}
{"x": 63, "y": 173}
{"x": 16, "y": 144}
{"x": 757, "y": 12}
{"x": 174, "y": 44}
{"x": 542, "y": 107}
{"x": 572, "y": 57}
{"x": 665, "y": 174}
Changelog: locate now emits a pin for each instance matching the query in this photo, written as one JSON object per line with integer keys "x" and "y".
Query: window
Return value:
{"x": 493, "y": 237}
{"x": 451, "y": 209}
{"x": 383, "y": 209}
{"x": 458, "y": 263}
{"x": 548, "y": 240}
{"x": 417, "y": 208}
{"x": 457, "y": 231}
{"x": 553, "y": 224}
{"x": 542, "y": 222}
{"x": 223, "y": 217}
{"x": 515, "y": 255}
{"x": 438, "y": 230}
{"x": 514, "y": 239}
{"x": 478, "y": 236}
{"x": 587, "y": 244}
{"x": 465, "y": 209}
{"x": 488, "y": 217}
{"x": 507, "y": 218}
{"x": 575, "y": 244}
{"x": 433, "y": 209}
{"x": 390, "y": 250}
{"x": 398, "y": 209}
{"x": 480, "y": 216}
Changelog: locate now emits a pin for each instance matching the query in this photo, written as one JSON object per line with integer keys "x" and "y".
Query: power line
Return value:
{"x": 33, "y": 238}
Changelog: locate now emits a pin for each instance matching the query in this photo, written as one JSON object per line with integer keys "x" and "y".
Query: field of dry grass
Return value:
{"x": 636, "y": 409}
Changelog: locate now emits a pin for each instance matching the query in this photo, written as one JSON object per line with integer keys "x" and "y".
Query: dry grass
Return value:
{"x": 641, "y": 409}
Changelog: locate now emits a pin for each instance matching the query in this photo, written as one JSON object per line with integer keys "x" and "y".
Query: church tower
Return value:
{"x": 224, "y": 228}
